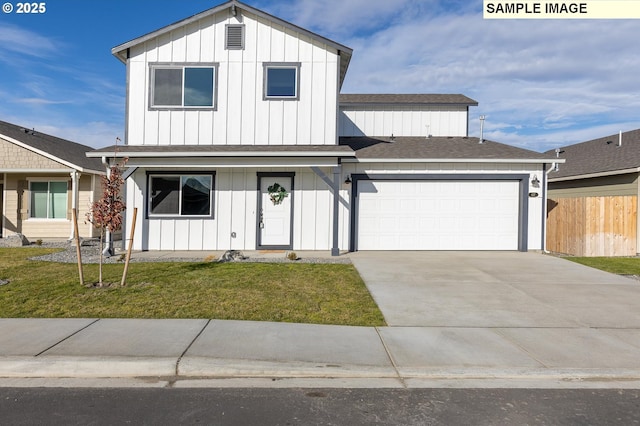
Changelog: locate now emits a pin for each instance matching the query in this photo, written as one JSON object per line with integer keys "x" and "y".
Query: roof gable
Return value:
{"x": 602, "y": 156}
{"x": 71, "y": 154}
{"x": 345, "y": 52}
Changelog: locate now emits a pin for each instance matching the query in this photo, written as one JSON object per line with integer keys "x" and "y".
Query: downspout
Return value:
{"x": 545, "y": 176}
{"x": 108, "y": 247}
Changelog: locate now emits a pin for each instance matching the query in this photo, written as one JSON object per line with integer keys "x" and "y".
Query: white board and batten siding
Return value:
{"x": 235, "y": 205}
{"x": 403, "y": 121}
{"x": 241, "y": 116}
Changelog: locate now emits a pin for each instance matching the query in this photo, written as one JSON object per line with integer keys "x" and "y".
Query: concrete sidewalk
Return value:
{"x": 203, "y": 352}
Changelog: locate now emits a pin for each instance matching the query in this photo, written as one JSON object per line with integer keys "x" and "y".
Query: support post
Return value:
{"x": 126, "y": 263}
{"x": 77, "y": 238}
{"x": 337, "y": 173}
{"x": 74, "y": 202}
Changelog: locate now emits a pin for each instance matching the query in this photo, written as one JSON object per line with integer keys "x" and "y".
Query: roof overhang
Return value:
{"x": 213, "y": 151}
{"x": 453, "y": 160}
{"x": 208, "y": 156}
{"x": 596, "y": 175}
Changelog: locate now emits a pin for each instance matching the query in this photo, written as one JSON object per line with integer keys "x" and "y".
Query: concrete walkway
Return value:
{"x": 547, "y": 349}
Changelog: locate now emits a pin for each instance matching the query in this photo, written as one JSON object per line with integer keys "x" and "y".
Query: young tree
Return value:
{"x": 106, "y": 213}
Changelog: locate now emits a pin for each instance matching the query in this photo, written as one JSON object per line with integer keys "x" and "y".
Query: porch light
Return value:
{"x": 535, "y": 182}
{"x": 347, "y": 181}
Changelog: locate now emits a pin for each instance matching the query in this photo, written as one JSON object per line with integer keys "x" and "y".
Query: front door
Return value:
{"x": 275, "y": 211}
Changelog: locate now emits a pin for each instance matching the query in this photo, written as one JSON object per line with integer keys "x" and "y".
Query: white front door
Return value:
{"x": 275, "y": 211}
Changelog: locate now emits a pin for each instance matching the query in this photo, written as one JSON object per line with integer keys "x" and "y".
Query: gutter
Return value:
{"x": 455, "y": 160}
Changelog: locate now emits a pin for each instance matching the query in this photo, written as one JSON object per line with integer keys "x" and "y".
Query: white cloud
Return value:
{"x": 94, "y": 134}
{"x": 536, "y": 78}
{"x": 40, "y": 101}
{"x": 24, "y": 42}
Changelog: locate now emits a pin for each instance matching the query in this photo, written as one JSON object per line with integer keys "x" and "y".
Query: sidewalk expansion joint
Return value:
{"x": 68, "y": 337}
{"x": 189, "y": 347}
{"x": 393, "y": 362}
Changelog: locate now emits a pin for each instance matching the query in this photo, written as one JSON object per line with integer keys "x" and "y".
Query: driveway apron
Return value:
{"x": 496, "y": 290}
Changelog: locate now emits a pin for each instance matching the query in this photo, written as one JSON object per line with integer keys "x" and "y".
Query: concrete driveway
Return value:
{"x": 497, "y": 290}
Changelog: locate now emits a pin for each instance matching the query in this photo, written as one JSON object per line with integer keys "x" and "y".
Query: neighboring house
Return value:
{"x": 594, "y": 197}
{"x": 238, "y": 138}
{"x": 42, "y": 178}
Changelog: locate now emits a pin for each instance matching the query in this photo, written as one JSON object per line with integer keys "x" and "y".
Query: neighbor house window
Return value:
{"x": 281, "y": 80}
{"x": 180, "y": 195}
{"x": 48, "y": 200}
{"x": 183, "y": 86}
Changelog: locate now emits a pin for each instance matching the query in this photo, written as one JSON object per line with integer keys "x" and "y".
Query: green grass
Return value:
{"x": 616, "y": 265}
{"x": 286, "y": 292}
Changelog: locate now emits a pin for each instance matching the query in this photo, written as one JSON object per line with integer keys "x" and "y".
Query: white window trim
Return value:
{"x": 152, "y": 215}
{"x": 286, "y": 65}
{"x": 29, "y": 209}
{"x": 182, "y": 65}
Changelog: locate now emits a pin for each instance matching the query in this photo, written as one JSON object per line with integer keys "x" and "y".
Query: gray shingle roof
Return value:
{"x": 437, "y": 148}
{"x": 406, "y": 99}
{"x": 61, "y": 149}
{"x": 599, "y": 155}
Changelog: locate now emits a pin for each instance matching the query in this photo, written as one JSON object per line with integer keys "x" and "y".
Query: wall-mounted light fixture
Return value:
{"x": 535, "y": 182}
{"x": 347, "y": 181}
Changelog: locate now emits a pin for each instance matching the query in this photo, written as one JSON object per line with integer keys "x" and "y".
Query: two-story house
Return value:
{"x": 238, "y": 137}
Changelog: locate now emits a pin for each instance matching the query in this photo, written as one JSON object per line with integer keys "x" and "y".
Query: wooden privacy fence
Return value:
{"x": 592, "y": 226}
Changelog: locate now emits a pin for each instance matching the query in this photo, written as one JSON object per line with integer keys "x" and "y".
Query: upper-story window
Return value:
{"x": 282, "y": 80}
{"x": 188, "y": 86}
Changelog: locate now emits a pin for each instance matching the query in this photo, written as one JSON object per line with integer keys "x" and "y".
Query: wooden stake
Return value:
{"x": 126, "y": 263}
{"x": 77, "y": 238}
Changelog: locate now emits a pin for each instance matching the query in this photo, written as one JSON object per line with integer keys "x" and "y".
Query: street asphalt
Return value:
{"x": 472, "y": 319}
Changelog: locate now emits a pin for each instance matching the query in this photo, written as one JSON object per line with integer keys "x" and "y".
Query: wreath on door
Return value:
{"x": 277, "y": 193}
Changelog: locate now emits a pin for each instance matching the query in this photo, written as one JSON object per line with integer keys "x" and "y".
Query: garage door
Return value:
{"x": 437, "y": 215}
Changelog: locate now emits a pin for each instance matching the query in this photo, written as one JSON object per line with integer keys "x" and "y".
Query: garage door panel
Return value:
{"x": 438, "y": 215}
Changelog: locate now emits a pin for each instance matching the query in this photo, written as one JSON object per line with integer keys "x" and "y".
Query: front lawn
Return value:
{"x": 287, "y": 292}
{"x": 616, "y": 265}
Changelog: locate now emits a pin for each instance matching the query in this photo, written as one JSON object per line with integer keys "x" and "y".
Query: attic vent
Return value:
{"x": 234, "y": 39}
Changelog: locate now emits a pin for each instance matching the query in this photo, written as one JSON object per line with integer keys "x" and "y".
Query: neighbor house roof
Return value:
{"x": 406, "y": 99}
{"x": 599, "y": 157}
{"x": 345, "y": 52}
{"x": 63, "y": 151}
{"x": 434, "y": 149}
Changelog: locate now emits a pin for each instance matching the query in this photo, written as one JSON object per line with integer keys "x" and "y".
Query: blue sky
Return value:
{"x": 541, "y": 84}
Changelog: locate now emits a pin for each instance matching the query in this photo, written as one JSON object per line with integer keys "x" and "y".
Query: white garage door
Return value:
{"x": 438, "y": 215}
